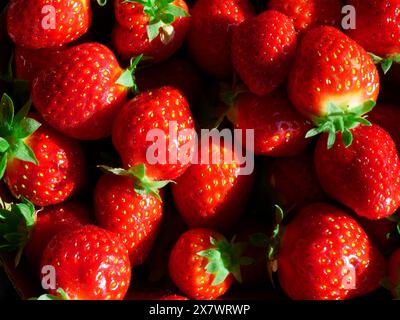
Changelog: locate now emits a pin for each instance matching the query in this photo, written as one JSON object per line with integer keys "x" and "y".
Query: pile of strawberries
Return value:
{"x": 86, "y": 210}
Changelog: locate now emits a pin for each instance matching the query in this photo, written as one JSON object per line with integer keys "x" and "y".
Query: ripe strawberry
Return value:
{"x": 263, "y": 48}
{"x": 333, "y": 82}
{"x": 153, "y": 28}
{"x": 325, "y": 255}
{"x": 81, "y": 94}
{"x": 209, "y": 37}
{"x": 121, "y": 206}
{"x": 307, "y": 14}
{"x": 166, "y": 152}
{"x": 386, "y": 116}
{"x": 213, "y": 193}
{"x": 203, "y": 264}
{"x": 382, "y": 37}
{"x": 42, "y": 24}
{"x": 364, "y": 176}
{"x": 293, "y": 182}
{"x": 36, "y": 161}
{"x": 279, "y": 130}
{"x": 394, "y": 273}
{"x": 90, "y": 264}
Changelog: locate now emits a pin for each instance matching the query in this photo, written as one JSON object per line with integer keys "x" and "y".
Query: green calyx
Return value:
{"x": 142, "y": 184}
{"x": 341, "y": 120}
{"x": 162, "y": 14}
{"x": 16, "y": 222}
{"x": 14, "y": 129}
{"x": 387, "y": 62}
{"x": 62, "y": 295}
{"x": 225, "y": 258}
{"x": 128, "y": 78}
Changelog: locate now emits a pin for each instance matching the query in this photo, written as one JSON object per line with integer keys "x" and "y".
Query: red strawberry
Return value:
{"x": 325, "y": 255}
{"x": 37, "y": 162}
{"x": 394, "y": 273}
{"x": 153, "y": 28}
{"x": 293, "y": 182}
{"x": 133, "y": 214}
{"x": 386, "y": 116}
{"x": 263, "y": 48}
{"x": 364, "y": 176}
{"x": 279, "y": 130}
{"x": 382, "y": 37}
{"x": 81, "y": 94}
{"x": 90, "y": 264}
{"x": 203, "y": 264}
{"x": 31, "y": 24}
{"x": 166, "y": 110}
{"x": 213, "y": 194}
{"x": 334, "y": 82}
{"x": 51, "y": 221}
{"x": 307, "y": 14}
{"x": 209, "y": 38}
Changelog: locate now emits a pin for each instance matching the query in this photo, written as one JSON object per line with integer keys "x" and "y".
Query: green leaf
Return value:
{"x": 23, "y": 113}
{"x": 26, "y": 127}
{"x": 347, "y": 137}
{"x": 220, "y": 276}
{"x": 6, "y": 110}
{"x": 3, "y": 165}
{"x": 313, "y": 132}
{"x": 126, "y": 79}
{"x": 375, "y": 58}
{"x": 176, "y": 11}
{"x": 24, "y": 152}
{"x": 153, "y": 29}
{"x": 386, "y": 65}
{"x": 61, "y": 296}
{"x": 4, "y": 145}
{"x": 212, "y": 267}
{"x": 209, "y": 254}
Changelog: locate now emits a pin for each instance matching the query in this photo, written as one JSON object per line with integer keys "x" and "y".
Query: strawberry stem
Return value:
{"x": 128, "y": 78}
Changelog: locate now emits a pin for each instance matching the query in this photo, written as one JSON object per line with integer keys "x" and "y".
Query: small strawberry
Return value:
{"x": 394, "y": 273}
{"x": 209, "y": 37}
{"x": 81, "y": 94}
{"x": 36, "y": 161}
{"x": 263, "y": 48}
{"x": 123, "y": 206}
{"x": 203, "y": 264}
{"x": 213, "y": 193}
{"x": 307, "y": 14}
{"x": 382, "y": 37}
{"x": 90, "y": 264}
{"x": 333, "y": 82}
{"x": 325, "y": 255}
{"x": 364, "y": 176}
{"x": 154, "y": 28}
{"x": 39, "y": 24}
{"x": 166, "y": 152}
{"x": 386, "y": 116}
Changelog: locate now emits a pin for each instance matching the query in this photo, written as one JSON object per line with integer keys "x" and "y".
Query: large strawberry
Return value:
{"x": 209, "y": 38}
{"x": 334, "y": 82}
{"x": 39, "y": 24}
{"x": 307, "y": 14}
{"x": 81, "y": 94}
{"x": 124, "y": 207}
{"x": 203, "y": 264}
{"x": 382, "y": 36}
{"x": 36, "y": 161}
{"x": 394, "y": 273}
{"x": 325, "y": 254}
{"x": 156, "y": 129}
{"x": 90, "y": 263}
{"x": 213, "y": 193}
{"x": 364, "y": 176}
{"x": 263, "y": 48}
{"x": 154, "y": 28}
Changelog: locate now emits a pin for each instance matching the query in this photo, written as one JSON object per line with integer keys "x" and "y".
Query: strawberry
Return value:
{"x": 36, "y": 161}
{"x": 91, "y": 70}
{"x": 307, "y": 14}
{"x": 364, "y": 176}
{"x": 31, "y": 25}
{"x": 386, "y": 116}
{"x": 279, "y": 130}
{"x": 382, "y": 37}
{"x": 90, "y": 263}
{"x": 263, "y": 48}
{"x": 213, "y": 194}
{"x": 394, "y": 273}
{"x": 293, "y": 182}
{"x": 122, "y": 207}
{"x": 203, "y": 264}
{"x": 165, "y": 157}
{"x": 209, "y": 37}
{"x": 324, "y": 254}
{"x": 154, "y": 28}
{"x": 333, "y": 82}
